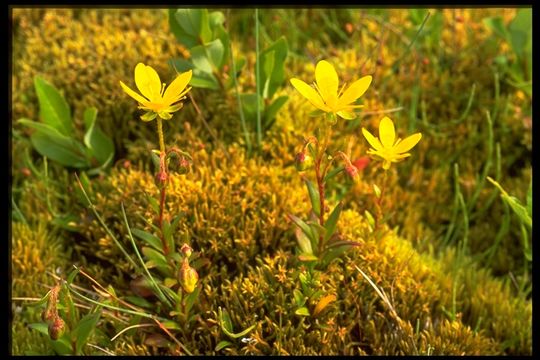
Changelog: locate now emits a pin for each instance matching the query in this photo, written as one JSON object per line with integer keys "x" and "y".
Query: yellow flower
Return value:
{"x": 387, "y": 148}
{"x": 325, "y": 96}
{"x": 155, "y": 99}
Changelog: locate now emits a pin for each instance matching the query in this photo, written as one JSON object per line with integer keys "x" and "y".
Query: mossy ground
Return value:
{"x": 234, "y": 205}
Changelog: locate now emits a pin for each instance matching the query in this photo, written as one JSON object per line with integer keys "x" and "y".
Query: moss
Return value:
{"x": 234, "y": 207}
{"x": 84, "y": 53}
{"x": 35, "y": 251}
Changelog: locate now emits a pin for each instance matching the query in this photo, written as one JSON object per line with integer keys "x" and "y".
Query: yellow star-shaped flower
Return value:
{"x": 387, "y": 148}
{"x": 325, "y": 96}
{"x": 155, "y": 99}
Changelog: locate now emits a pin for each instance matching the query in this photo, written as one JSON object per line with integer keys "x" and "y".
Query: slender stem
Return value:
{"x": 379, "y": 201}
{"x": 258, "y": 85}
{"x": 160, "y": 134}
{"x": 163, "y": 194}
{"x": 163, "y": 191}
{"x": 320, "y": 180}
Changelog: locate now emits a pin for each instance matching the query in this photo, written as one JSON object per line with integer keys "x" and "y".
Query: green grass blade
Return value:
{"x": 154, "y": 284}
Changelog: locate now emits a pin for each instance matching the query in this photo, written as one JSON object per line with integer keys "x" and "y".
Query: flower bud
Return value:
{"x": 361, "y": 163}
{"x": 47, "y": 315}
{"x": 352, "y": 172}
{"x": 188, "y": 277}
{"x": 161, "y": 179}
{"x": 186, "y": 250}
{"x": 183, "y": 165}
{"x": 57, "y": 328}
{"x": 303, "y": 161}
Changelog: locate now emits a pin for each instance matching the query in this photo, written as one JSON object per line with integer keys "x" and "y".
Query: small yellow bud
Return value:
{"x": 188, "y": 277}
{"x": 303, "y": 161}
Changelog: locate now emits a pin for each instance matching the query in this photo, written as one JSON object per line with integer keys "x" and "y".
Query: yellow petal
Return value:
{"x": 327, "y": 80}
{"x": 408, "y": 143}
{"x": 353, "y": 92}
{"x": 372, "y": 140}
{"x": 347, "y": 115}
{"x": 133, "y": 94}
{"x": 399, "y": 157}
{"x": 148, "y": 82}
{"x": 387, "y": 133}
{"x": 309, "y": 93}
{"x": 177, "y": 86}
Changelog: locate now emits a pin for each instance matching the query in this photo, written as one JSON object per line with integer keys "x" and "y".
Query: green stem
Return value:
{"x": 259, "y": 134}
{"x": 320, "y": 175}
{"x": 160, "y": 134}
{"x": 379, "y": 201}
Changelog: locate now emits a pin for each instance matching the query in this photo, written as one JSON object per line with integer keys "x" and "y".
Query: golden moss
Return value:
{"x": 84, "y": 53}
{"x": 35, "y": 252}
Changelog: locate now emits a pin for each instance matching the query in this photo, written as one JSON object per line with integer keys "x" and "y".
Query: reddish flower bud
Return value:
{"x": 361, "y": 163}
{"x": 57, "y": 328}
{"x": 161, "y": 179}
{"x": 183, "y": 165}
{"x": 352, "y": 172}
{"x": 186, "y": 250}
{"x": 303, "y": 161}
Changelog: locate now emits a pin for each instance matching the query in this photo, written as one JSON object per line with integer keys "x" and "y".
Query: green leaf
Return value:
{"x": 53, "y": 108}
{"x": 303, "y": 242}
{"x": 496, "y": 25}
{"x": 139, "y": 301}
{"x": 170, "y": 293}
{"x": 222, "y": 345}
{"x": 314, "y": 197}
{"x": 101, "y": 146}
{"x": 42, "y": 301}
{"x": 272, "y": 67}
{"x": 306, "y": 229}
{"x": 40, "y": 327}
{"x": 529, "y": 199}
{"x": 221, "y": 34}
{"x": 249, "y": 106}
{"x": 520, "y": 29}
{"x": 333, "y": 173}
{"x": 303, "y": 311}
{"x": 84, "y": 329}
{"x": 226, "y": 325}
{"x": 272, "y": 110}
{"x": 201, "y": 59}
{"x": 215, "y": 51}
{"x": 307, "y": 257}
{"x": 155, "y": 256}
{"x": 50, "y": 143}
{"x": 519, "y": 210}
{"x": 171, "y": 325}
{"x": 299, "y": 298}
{"x": 331, "y": 222}
{"x": 181, "y": 35}
{"x": 71, "y": 276}
{"x": 215, "y": 19}
{"x": 225, "y": 320}
{"x": 191, "y": 26}
{"x": 333, "y": 252}
{"x": 150, "y": 239}
{"x": 191, "y": 298}
{"x": 167, "y": 234}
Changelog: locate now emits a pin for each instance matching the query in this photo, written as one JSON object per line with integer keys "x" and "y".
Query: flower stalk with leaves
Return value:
{"x": 317, "y": 239}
